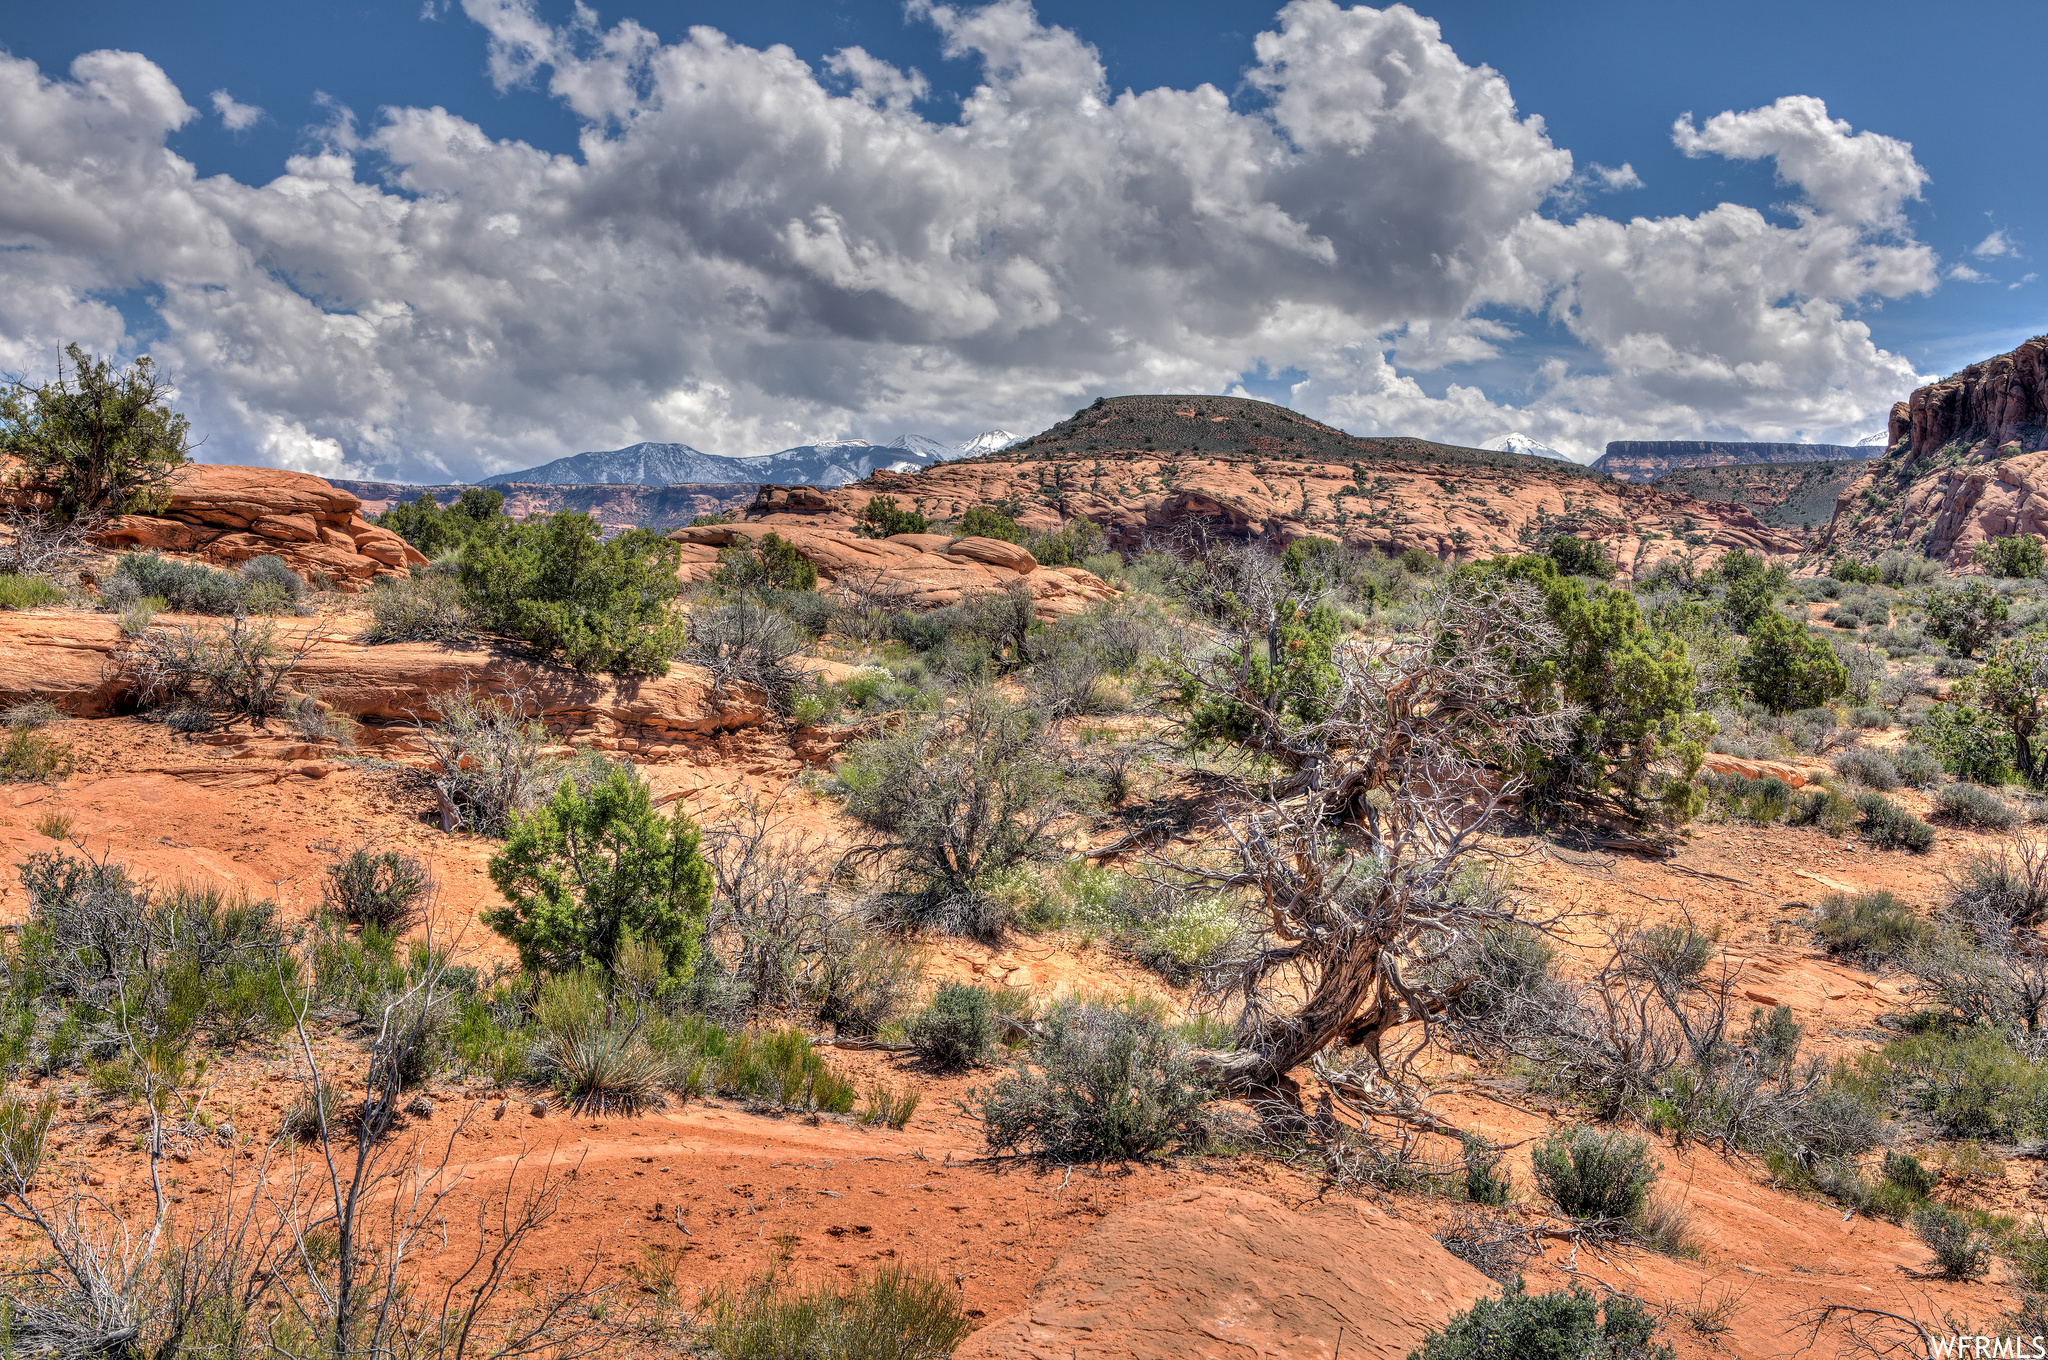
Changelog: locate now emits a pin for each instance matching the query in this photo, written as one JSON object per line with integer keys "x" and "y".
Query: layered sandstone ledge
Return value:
{"x": 227, "y": 515}
{"x": 915, "y": 571}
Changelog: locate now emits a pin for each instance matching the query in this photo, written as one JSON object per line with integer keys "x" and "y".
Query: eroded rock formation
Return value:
{"x": 2000, "y": 401}
{"x": 1968, "y": 462}
{"x": 228, "y": 515}
{"x": 917, "y": 571}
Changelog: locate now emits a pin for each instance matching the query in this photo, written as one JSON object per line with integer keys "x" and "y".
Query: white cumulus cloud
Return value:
{"x": 747, "y": 251}
{"x": 1996, "y": 244}
{"x": 235, "y": 116}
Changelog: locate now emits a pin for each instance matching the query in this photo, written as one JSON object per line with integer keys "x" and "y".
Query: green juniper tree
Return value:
{"x": 100, "y": 441}
{"x": 583, "y": 873}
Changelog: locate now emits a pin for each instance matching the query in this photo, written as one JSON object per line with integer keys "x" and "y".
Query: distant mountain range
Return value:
{"x": 831, "y": 463}
{"x": 1525, "y": 445}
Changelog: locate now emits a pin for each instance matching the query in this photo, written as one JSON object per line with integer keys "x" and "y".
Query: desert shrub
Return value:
{"x": 28, "y": 592}
{"x": 238, "y": 669}
{"x": 597, "y": 604}
{"x": 184, "y": 587}
{"x": 955, "y": 1029}
{"x": 1876, "y": 928}
{"x": 1100, "y": 1082}
{"x": 1485, "y": 1181}
{"x": 598, "y": 1060}
{"x": 1507, "y": 966}
{"x": 1917, "y": 766}
{"x": 1970, "y": 742}
{"x": 1833, "y": 810}
{"x": 433, "y": 529}
{"x": 1066, "y": 679}
{"x": 27, "y": 753}
{"x": 1869, "y": 719}
{"x": 1868, "y": 768}
{"x": 1562, "y": 1325}
{"x": 1753, "y": 800}
{"x": 956, "y": 800}
{"x": 771, "y": 564}
{"x": 983, "y": 521}
{"x": 882, "y": 518}
{"x": 1966, "y": 617}
{"x": 896, "y": 1313}
{"x": 1787, "y": 667}
{"x": 1634, "y": 686}
{"x": 1971, "y": 1081}
{"x": 2010, "y": 555}
{"x": 270, "y": 586}
{"x": 1969, "y": 805}
{"x": 2006, "y": 889}
{"x": 1888, "y": 826}
{"x": 490, "y": 761}
{"x": 1580, "y": 557}
{"x": 782, "y": 1069}
{"x": 1601, "y": 1179}
{"x": 1961, "y": 1252}
{"x": 123, "y": 960}
{"x": 583, "y": 875}
{"x": 1068, "y": 546}
{"x": 385, "y": 888}
{"x": 423, "y": 607}
{"x": 749, "y": 642}
{"x": 96, "y": 442}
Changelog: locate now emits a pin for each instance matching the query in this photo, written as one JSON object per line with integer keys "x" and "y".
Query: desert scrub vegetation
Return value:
{"x": 595, "y": 604}
{"x": 1874, "y": 928}
{"x": 586, "y": 874}
{"x": 97, "y": 441}
{"x": 436, "y": 529}
{"x": 1573, "y": 1324}
{"x": 262, "y": 585}
{"x": 28, "y": 754}
{"x": 1099, "y": 1082}
{"x": 388, "y": 889}
{"x": 424, "y": 606}
{"x": 896, "y": 1312}
{"x": 201, "y": 675}
{"x": 955, "y": 800}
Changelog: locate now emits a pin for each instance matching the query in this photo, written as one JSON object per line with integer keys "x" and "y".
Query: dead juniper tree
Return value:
{"x": 1386, "y": 763}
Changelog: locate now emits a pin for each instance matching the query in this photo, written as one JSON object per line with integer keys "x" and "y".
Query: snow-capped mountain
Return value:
{"x": 829, "y": 462}
{"x": 637, "y": 465}
{"x": 1523, "y": 444}
{"x": 987, "y": 443}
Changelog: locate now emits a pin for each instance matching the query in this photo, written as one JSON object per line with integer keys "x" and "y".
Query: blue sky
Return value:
{"x": 708, "y": 279}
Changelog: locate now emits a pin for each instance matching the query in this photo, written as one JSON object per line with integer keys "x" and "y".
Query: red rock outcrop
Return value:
{"x": 75, "y": 661}
{"x": 1452, "y": 512}
{"x": 231, "y": 514}
{"x": 1997, "y": 401}
{"x": 1216, "y": 1271}
{"x": 1968, "y": 462}
{"x": 917, "y": 571}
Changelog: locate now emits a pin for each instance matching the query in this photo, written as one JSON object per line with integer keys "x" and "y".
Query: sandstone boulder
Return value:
{"x": 74, "y": 660}
{"x": 916, "y": 571}
{"x": 228, "y": 515}
{"x": 993, "y": 552}
{"x": 1216, "y": 1271}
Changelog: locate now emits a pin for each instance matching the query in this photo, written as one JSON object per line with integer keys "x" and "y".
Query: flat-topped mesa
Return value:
{"x": 1998, "y": 401}
{"x": 230, "y": 514}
